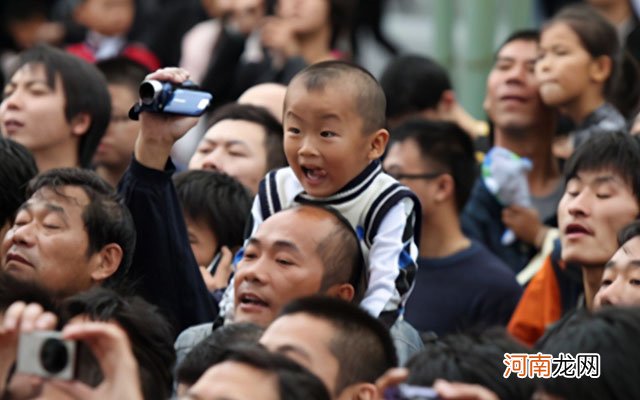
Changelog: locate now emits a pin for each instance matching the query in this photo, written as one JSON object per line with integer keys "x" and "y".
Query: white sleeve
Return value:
{"x": 385, "y": 261}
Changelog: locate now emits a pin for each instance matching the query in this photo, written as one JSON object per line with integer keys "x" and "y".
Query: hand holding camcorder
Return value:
{"x": 170, "y": 98}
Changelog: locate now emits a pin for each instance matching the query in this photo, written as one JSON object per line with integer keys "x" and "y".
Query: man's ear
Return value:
{"x": 378, "y": 143}
{"x": 446, "y": 103}
{"x": 107, "y": 262}
{"x": 359, "y": 391}
{"x": 80, "y": 124}
{"x": 600, "y": 69}
{"x": 445, "y": 188}
{"x": 343, "y": 291}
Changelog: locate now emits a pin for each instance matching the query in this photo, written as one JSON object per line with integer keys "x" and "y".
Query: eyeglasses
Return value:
{"x": 428, "y": 175}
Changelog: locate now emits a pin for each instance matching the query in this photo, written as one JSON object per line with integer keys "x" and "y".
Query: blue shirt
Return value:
{"x": 471, "y": 288}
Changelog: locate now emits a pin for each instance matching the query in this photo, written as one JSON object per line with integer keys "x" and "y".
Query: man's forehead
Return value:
{"x": 289, "y": 224}
{"x": 600, "y": 175}
{"x": 63, "y": 195}
{"x": 519, "y": 49}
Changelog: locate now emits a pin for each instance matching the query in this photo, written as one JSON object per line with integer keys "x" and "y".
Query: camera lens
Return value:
{"x": 149, "y": 90}
{"x": 53, "y": 355}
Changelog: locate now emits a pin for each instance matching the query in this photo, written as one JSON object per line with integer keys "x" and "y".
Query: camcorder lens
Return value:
{"x": 149, "y": 90}
{"x": 54, "y": 356}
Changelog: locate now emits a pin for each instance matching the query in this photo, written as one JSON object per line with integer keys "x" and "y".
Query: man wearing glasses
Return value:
{"x": 436, "y": 161}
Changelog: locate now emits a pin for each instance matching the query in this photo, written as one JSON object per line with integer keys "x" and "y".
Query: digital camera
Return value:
{"x": 47, "y": 354}
{"x": 166, "y": 97}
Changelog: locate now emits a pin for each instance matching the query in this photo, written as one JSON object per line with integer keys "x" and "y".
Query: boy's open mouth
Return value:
{"x": 313, "y": 174}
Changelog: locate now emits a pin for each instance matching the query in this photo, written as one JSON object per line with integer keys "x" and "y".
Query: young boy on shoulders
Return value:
{"x": 334, "y": 117}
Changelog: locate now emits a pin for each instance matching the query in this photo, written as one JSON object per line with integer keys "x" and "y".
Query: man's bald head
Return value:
{"x": 266, "y": 95}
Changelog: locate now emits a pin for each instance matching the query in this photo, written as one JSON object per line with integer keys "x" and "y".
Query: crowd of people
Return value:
{"x": 319, "y": 233}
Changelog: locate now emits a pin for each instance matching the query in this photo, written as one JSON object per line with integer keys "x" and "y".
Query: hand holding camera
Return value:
{"x": 110, "y": 345}
{"x": 19, "y": 317}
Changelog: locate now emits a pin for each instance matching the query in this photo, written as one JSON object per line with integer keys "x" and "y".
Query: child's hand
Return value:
{"x": 158, "y": 132}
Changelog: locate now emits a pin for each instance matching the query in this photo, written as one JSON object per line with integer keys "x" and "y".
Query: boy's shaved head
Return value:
{"x": 367, "y": 93}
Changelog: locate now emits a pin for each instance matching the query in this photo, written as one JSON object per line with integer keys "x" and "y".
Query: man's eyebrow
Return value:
{"x": 286, "y": 245}
{"x": 49, "y": 206}
{"x": 234, "y": 142}
{"x": 602, "y": 179}
{"x": 289, "y": 348}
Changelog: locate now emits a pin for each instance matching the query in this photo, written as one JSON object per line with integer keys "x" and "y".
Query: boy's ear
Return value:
{"x": 378, "y": 143}
{"x": 80, "y": 124}
{"x": 600, "y": 69}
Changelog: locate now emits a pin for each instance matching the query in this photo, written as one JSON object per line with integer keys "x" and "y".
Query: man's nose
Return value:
{"x": 213, "y": 161}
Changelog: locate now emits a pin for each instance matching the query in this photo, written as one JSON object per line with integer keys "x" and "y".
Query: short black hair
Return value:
{"x": 611, "y": 332}
{"x": 362, "y": 344}
{"x": 616, "y": 151}
{"x": 148, "y": 331}
{"x": 123, "y": 71}
{"x": 219, "y": 200}
{"x": 446, "y": 145}
{"x": 474, "y": 358}
{"x": 106, "y": 218}
{"x": 211, "y": 349}
{"x": 294, "y": 381}
{"x": 413, "y": 83}
{"x": 341, "y": 255}
{"x": 17, "y": 167}
{"x": 85, "y": 91}
{"x": 261, "y": 116}
{"x": 355, "y": 81}
{"x": 629, "y": 232}
{"x": 527, "y": 35}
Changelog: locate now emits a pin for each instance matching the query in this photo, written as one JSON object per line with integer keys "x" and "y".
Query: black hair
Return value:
{"x": 629, "y": 232}
{"x": 353, "y": 80}
{"x": 413, "y": 83}
{"x": 148, "y": 331}
{"x": 22, "y": 11}
{"x": 361, "y": 344}
{"x": 17, "y": 167}
{"x": 341, "y": 255}
{"x": 611, "y": 332}
{"x": 341, "y": 14}
{"x": 106, "y": 219}
{"x": 617, "y": 151}
{"x": 527, "y": 35}
{"x": 294, "y": 382}
{"x": 474, "y": 358}
{"x": 123, "y": 71}
{"x": 211, "y": 349}
{"x": 85, "y": 91}
{"x": 219, "y": 200}
{"x": 261, "y": 116}
{"x": 447, "y": 146}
